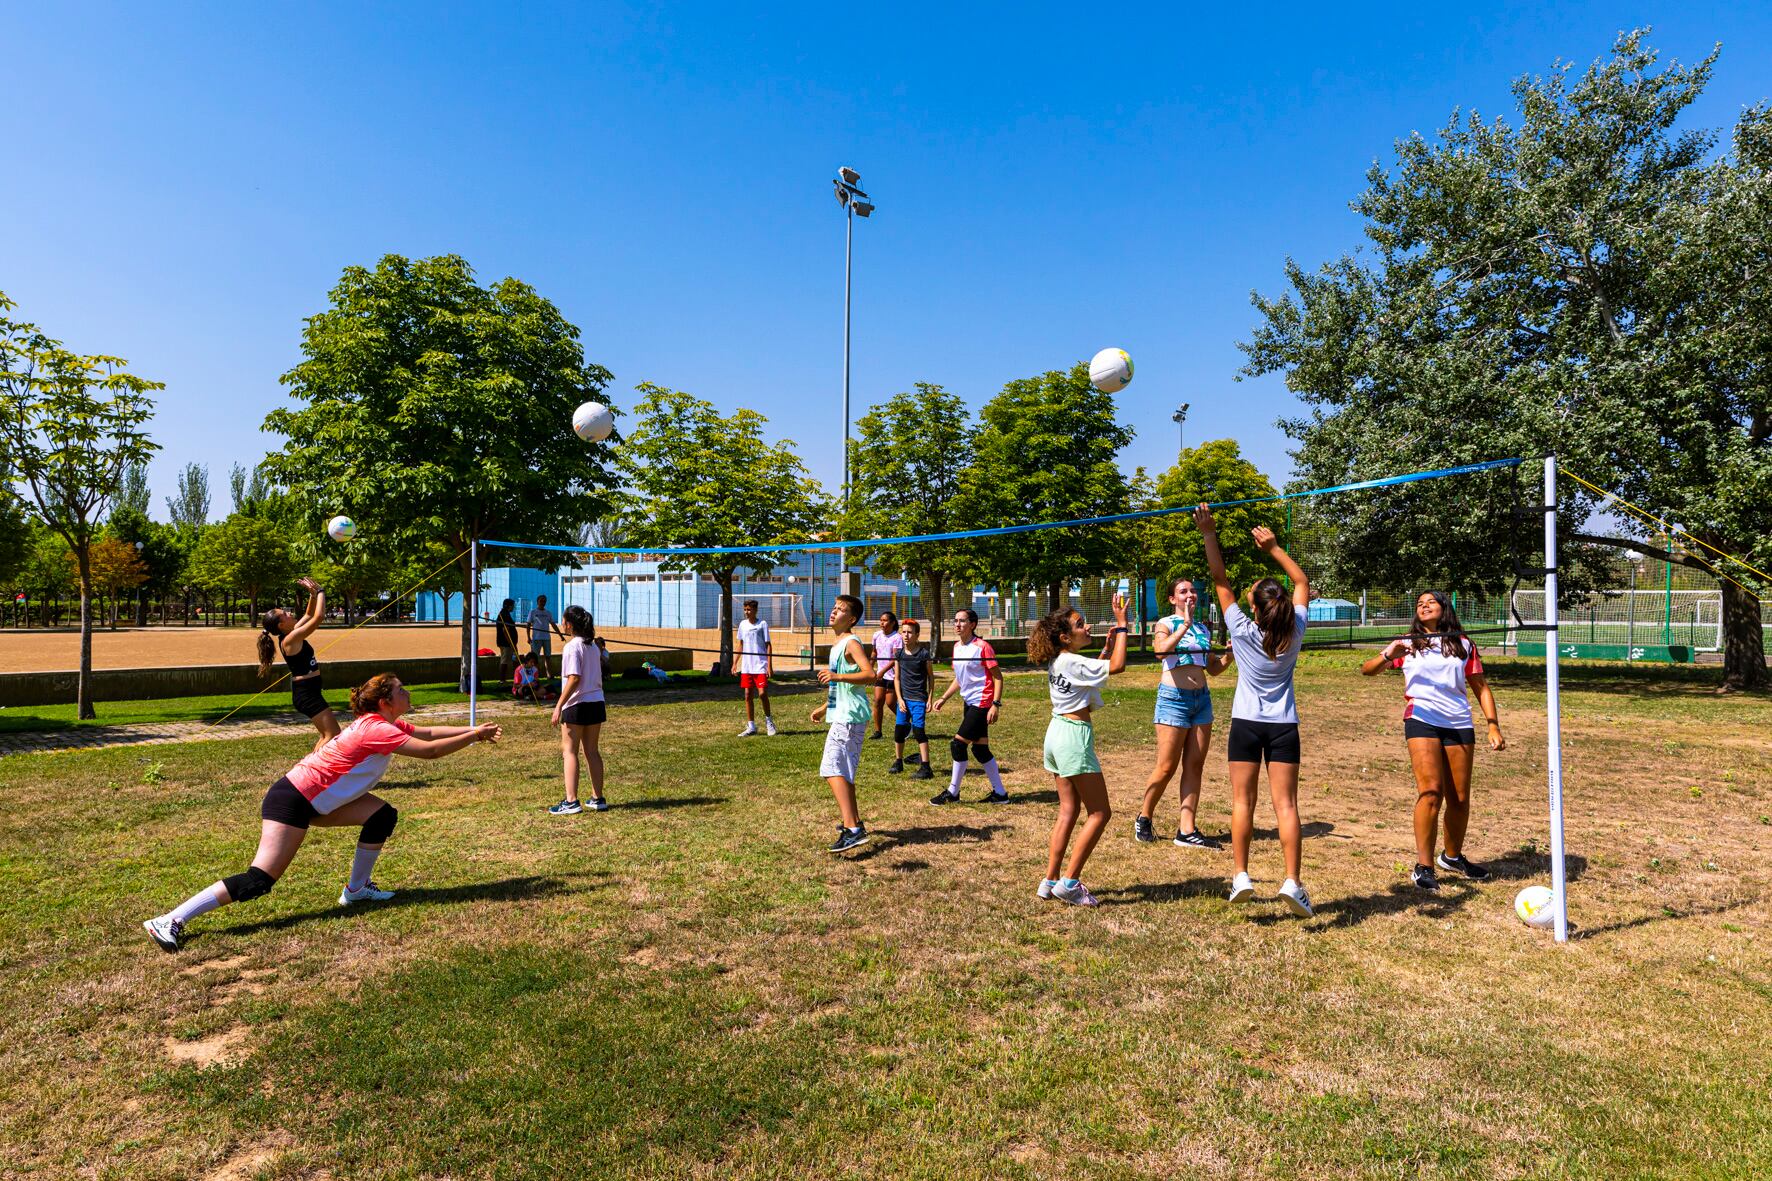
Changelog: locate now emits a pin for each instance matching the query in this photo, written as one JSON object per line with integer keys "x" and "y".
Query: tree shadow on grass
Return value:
{"x": 1530, "y": 863}
{"x": 503, "y": 890}
{"x": 1209, "y": 887}
{"x": 886, "y": 840}
{"x": 1667, "y": 913}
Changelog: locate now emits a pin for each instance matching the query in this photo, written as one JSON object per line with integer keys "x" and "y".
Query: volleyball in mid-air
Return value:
{"x": 593, "y": 422}
{"x": 1533, "y": 905}
{"x": 1111, "y": 370}
{"x": 341, "y": 528}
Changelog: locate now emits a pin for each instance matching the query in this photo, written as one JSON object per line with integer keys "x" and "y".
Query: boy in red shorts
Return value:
{"x": 756, "y": 661}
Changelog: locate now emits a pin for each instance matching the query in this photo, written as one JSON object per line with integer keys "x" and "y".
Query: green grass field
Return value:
{"x": 689, "y": 986}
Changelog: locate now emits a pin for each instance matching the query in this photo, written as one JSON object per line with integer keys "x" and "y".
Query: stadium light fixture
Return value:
{"x": 854, "y": 201}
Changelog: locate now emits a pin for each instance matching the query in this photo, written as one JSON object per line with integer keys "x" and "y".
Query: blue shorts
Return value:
{"x": 912, "y": 713}
{"x": 1183, "y": 707}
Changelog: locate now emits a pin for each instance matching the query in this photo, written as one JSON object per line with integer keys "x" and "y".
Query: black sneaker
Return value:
{"x": 848, "y": 839}
{"x": 996, "y": 797}
{"x": 922, "y": 772}
{"x": 876, "y": 736}
{"x": 896, "y": 768}
{"x": 1463, "y": 865}
{"x": 1197, "y": 840}
{"x": 1141, "y": 830}
{"x": 1424, "y": 879}
{"x": 944, "y": 796}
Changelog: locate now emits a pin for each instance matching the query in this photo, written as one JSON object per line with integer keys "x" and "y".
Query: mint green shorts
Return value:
{"x": 1070, "y": 747}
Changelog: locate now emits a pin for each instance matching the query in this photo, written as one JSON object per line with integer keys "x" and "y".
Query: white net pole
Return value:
{"x": 472, "y": 607}
{"x": 1553, "y": 704}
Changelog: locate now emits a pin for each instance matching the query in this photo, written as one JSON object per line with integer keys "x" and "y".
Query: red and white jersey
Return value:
{"x": 1434, "y": 684}
{"x": 973, "y": 665}
{"x": 350, "y": 764}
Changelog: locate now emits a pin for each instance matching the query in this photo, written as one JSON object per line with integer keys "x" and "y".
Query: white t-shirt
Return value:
{"x": 1196, "y": 636}
{"x": 753, "y": 642}
{"x": 584, "y": 660}
{"x": 1434, "y": 684}
{"x": 973, "y": 664}
{"x": 887, "y": 645}
{"x": 541, "y": 623}
{"x": 1075, "y": 682}
{"x": 1264, "y": 686}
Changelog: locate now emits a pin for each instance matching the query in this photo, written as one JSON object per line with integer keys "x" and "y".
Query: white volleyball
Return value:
{"x": 341, "y": 528}
{"x": 1535, "y": 906}
{"x": 1111, "y": 370}
{"x": 593, "y": 422}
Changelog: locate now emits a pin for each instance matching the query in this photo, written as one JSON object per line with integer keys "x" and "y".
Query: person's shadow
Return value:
{"x": 1209, "y": 887}
{"x": 886, "y": 840}
{"x": 517, "y": 889}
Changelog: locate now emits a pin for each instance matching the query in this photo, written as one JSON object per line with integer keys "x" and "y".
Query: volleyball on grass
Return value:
{"x": 1111, "y": 370}
{"x": 592, "y": 422}
{"x": 1533, "y": 905}
{"x": 341, "y": 528}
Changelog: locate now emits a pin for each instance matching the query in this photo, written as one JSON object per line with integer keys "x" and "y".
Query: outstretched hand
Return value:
{"x": 1264, "y": 538}
{"x": 309, "y": 585}
{"x": 1203, "y": 518}
{"x": 487, "y": 733}
{"x": 1119, "y": 608}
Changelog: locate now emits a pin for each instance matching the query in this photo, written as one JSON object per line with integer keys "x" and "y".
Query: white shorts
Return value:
{"x": 842, "y": 750}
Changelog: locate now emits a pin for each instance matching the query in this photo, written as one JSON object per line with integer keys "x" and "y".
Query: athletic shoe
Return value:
{"x": 369, "y": 893}
{"x": 1242, "y": 889}
{"x": 166, "y": 931}
{"x": 896, "y": 768}
{"x": 847, "y": 840}
{"x": 945, "y": 797}
{"x": 1077, "y": 895}
{"x": 922, "y": 772}
{"x": 566, "y": 808}
{"x": 996, "y": 797}
{"x": 1464, "y": 865}
{"x": 876, "y": 736}
{"x": 1141, "y": 830}
{"x": 1197, "y": 840}
{"x": 1045, "y": 890}
{"x": 599, "y": 804}
{"x": 1424, "y": 879}
{"x": 750, "y": 728}
{"x": 1296, "y": 899}
{"x": 769, "y": 727}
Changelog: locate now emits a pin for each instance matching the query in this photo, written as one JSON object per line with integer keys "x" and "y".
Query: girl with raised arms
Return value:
{"x": 286, "y": 633}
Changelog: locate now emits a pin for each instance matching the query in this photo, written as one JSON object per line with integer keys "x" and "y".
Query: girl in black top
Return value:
{"x": 287, "y": 633}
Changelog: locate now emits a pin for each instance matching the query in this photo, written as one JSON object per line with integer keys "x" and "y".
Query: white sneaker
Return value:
{"x": 769, "y": 727}
{"x": 369, "y": 893}
{"x": 750, "y": 728}
{"x": 1045, "y": 890}
{"x": 1242, "y": 889}
{"x": 1077, "y": 895}
{"x": 1296, "y": 899}
{"x": 165, "y": 931}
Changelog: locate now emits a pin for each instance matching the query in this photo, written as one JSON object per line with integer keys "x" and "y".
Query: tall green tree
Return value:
{"x": 245, "y": 554}
{"x": 132, "y": 490}
{"x": 434, "y": 409}
{"x": 157, "y": 546}
{"x": 700, "y": 479}
{"x": 15, "y": 538}
{"x": 1586, "y": 281}
{"x": 73, "y": 426}
{"x": 1213, "y": 471}
{"x": 904, "y": 479}
{"x": 1047, "y": 451}
{"x": 190, "y": 508}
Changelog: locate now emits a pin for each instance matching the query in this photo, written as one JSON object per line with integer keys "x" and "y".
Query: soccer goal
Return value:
{"x": 1638, "y": 622}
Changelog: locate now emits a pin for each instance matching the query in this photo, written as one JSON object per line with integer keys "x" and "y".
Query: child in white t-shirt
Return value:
{"x": 1074, "y": 682}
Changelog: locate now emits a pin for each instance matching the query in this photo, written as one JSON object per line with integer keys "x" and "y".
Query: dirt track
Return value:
{"x": 174, "y": 647}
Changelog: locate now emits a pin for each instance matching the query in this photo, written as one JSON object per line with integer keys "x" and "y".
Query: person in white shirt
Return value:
{"x": 541, "y": 635}
{"x": 756, "y": 664}
{"x": 1440, "y": 665}
{"x": 1074, "y": 682}
{"x": 580, "y": 712}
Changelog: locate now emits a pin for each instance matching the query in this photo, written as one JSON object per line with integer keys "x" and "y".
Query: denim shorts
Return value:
{"x": 1183, "y": 707}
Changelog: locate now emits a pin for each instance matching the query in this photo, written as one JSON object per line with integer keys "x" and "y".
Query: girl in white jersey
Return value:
{"x": 330, "y": 788}
{"x": 1439, "y": 663}
{"x": 1074, "y": 682}
{"x": 1265, "y": 638}
{"x": 979, "y": 682}
{"x": 1184, "y": 715}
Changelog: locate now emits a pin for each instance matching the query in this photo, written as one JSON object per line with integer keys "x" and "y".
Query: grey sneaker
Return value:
{"x": 1045, "y": 890}
{"x": 368, "y": 892}
{"x": 1141, "y": 830}
{"x": 849, "y": 838}
{"x": 1077, "y": 895}
{"x": 566, "y": 808}
{"x": 599, "y": 804}
{"x": 164, "y": 931}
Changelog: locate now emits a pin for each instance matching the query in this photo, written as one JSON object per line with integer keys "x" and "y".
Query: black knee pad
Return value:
{"x": 920, "y": 734}
{"x": 958, "y": 750}
{"x": 982, "y": 752}
{"x": 380, "y": 826}
{"x": 901, "y": 731}
{"x": 244, "y": 887}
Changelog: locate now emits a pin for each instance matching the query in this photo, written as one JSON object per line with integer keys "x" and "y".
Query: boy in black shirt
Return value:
{"x": 916, "y": 685}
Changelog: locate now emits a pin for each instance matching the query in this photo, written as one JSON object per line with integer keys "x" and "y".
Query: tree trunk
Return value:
{"x": 83, "y": 694}
{"x": 724, "y": 579}
{"x": 932, "y": 589}
{"x": 1744, "y": 644}
{"x": 141, "y": 608}
{"x": 469, "y": 609}
{"x": 1055, "y": 596}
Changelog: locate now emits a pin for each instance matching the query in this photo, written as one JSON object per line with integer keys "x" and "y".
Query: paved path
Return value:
{"x": 159, "y": 733}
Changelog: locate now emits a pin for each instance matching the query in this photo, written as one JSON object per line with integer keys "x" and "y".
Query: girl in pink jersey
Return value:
{"x": 330, "y": 788}
{"x": 1440, "y": 668}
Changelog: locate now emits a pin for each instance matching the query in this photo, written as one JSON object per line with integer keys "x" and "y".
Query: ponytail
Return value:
{"x": 367, "y": 697}
{"x": 267, "y": 646}
{"x": 1274, "y": 615}
{"x": 578, "y": 621}
{"x": 1047, "y": 640}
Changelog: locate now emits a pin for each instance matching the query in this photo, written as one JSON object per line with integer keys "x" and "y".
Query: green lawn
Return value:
{"x": 688, "y": 985}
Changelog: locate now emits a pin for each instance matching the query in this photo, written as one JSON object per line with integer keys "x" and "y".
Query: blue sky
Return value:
{"x": 185, "y": 184}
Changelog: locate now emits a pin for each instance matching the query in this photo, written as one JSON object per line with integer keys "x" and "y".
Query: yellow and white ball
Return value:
{"x": 1536, "y": 906}
{"x": 1111, "y": 370}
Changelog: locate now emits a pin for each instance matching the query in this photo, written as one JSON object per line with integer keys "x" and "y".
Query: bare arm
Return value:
{"x": 1168, "y": 638}
{"x": 311, "y": 617}
{"x": 868, "y": 673}
{"x": 1491, "y": 714}
{"x": 1373, "y": 665}
{"x": 566, "y": 690}
{"x": 1301, "y": 582}
{"x": 432, "y": 732}
{"x": 1227, "y": 598}
{"x": 1116, "y": 641}
{"x": 421, "y": 748}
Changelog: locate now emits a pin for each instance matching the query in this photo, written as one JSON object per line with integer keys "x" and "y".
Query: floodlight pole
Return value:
{"x": 848, "y": 257}
{"x": 472, "y": 606}
{"x": 1553, "y": 705}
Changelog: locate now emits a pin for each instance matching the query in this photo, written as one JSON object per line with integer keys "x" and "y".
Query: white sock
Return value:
{"x": 959, "y": 774}
{"x": 361, "y": 863}
{"x": 991, "y": 773}
{"x": 202, "y": 902}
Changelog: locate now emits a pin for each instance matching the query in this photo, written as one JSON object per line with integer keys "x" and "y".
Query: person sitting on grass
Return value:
{"x": 330, "y": 788}
{"x": 526, "y": 684}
